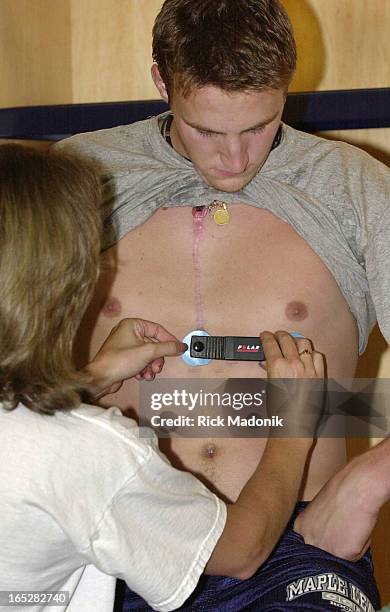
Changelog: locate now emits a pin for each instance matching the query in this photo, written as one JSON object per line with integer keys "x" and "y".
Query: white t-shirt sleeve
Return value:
{"x": 158, "y": 532}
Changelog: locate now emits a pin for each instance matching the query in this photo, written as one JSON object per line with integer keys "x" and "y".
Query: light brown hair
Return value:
{"x": 236, "y": 45}
{"x": 50, "y": 233}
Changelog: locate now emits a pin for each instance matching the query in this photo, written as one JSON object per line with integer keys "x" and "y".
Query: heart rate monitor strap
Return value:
{"x": 237, "y": 348}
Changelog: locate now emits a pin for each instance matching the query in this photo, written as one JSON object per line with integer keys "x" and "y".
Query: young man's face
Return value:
{"x": 227, "y": 136}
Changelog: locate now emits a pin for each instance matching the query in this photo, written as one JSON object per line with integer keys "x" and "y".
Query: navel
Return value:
{"x": 296, "y": 311}
{"x": 210, "y": 451}
{"x": 112, "y": 307}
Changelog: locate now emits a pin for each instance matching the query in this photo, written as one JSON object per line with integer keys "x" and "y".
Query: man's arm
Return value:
{"x": 342, "y": 516}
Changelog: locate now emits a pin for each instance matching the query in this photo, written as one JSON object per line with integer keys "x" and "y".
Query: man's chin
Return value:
{"x": 227, "y": 184}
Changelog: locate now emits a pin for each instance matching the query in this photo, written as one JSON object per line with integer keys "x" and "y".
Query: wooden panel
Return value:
{"x": 34, "y": 52}
{"x": 102, "y": 48}
{"x": 37, "y": 144}
{"x": 111, "y": 46}
{"x": 111, "y": 49}
{"x": 342, "y": 44}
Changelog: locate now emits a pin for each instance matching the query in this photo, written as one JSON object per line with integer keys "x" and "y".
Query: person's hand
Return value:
{"x": 288, "y": 357}
{"x": 295, "y": 390}
{"x": 340, "y": 519}
{"x": 134, "y": 348}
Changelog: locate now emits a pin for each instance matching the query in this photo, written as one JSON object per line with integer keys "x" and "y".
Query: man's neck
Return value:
{"x": 174, "y": 139}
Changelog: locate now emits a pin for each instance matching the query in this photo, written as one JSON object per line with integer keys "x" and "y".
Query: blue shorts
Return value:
{"x": 296, "y": 576}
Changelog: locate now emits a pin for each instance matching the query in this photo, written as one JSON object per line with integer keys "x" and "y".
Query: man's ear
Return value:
{"x": 159, "y": 83}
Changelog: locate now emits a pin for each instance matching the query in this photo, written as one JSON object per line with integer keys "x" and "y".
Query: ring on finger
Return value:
{"x": 304, "y": 352}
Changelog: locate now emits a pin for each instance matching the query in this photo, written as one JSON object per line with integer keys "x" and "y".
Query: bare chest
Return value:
{"x": 253, "y": 274}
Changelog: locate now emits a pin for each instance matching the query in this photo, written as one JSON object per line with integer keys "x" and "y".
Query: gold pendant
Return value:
{"x": 221, "y": 214}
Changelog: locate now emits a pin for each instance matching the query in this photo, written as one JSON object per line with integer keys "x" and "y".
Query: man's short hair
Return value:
{"x": 50, "y": 235}
{"x": 236, "y": 45}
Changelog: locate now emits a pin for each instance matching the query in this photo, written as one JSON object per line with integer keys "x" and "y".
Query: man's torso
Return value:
{"x": 255, "y": 273}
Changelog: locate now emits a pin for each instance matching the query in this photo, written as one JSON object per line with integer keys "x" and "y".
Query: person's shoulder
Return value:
{"x": 108, "y": 430}
{"x": 315, "y": 148}
{"x": 315, "y": 163}
{"x": 89, "y": 434}
{"x": 110, "y": 141}
{"x": 336, "y": 173}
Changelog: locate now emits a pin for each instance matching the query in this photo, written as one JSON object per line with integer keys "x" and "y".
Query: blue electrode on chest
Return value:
{"x": 187, "y": 357}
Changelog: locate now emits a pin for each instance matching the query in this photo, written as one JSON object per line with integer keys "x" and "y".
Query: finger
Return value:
{"x": 306, "y": 359}
{"x": 146, "y": 373}
{"x": 287, "y": 344}
{"x": 319, "y": 364}
{"x": 156, "y": 350}
{"x": 156, "y": 331}
{"x": 270, "y": 346}
{"x": 149, "y": 374}
{"x": 142, "y": 373}
{"x": 157, "y": 365}
{"x": 169, "y": 349}
{"x": 304, "y": 346}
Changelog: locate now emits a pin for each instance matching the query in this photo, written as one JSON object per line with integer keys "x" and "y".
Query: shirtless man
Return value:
{"x": 290, "y": 254}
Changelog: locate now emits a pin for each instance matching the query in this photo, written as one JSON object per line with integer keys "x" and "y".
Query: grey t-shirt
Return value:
{"x": 334, "y": 195}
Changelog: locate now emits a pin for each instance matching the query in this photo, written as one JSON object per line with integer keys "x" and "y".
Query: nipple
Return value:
{"x": 296, "y": 311}
{"x": 112, "y": 307}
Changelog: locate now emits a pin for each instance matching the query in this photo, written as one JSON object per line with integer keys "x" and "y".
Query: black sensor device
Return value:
{"x": 237, "y": 348}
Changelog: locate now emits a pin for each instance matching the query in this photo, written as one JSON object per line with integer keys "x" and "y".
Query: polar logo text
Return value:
{"x": 247, "y": 348}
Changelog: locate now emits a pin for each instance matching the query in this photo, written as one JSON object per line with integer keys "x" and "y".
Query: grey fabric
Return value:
{"x": 334, "y": 195}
